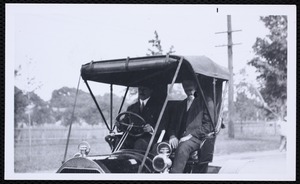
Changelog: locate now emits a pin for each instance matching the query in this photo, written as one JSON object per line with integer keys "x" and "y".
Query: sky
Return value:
{"x": 51, "y": 41}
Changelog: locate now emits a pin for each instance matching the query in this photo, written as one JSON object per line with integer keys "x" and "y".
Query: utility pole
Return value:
{"x": 230, "y": 67}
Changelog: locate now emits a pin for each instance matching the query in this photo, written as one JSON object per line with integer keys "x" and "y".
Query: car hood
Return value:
{"x": 123, "y": 161}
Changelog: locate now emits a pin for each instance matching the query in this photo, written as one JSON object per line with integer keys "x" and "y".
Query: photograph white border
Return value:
{"x": 289, "y": 10}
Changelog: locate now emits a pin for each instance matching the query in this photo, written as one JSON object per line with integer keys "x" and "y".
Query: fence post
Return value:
{"x": 241, "y": 126}
{"x": 275, "y": 128}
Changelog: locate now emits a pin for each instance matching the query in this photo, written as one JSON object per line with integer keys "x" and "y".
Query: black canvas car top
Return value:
{"x": 133, "y": 71}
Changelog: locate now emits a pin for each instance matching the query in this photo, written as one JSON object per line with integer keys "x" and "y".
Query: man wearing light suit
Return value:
{"x": 188, "y": 128}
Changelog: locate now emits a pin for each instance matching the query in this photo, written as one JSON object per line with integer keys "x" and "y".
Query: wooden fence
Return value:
{"x": 54, "y": 135}
{"x": 42, "y": 148}
{"x": 256, "y": 128}
{"x": 42, "y": 135}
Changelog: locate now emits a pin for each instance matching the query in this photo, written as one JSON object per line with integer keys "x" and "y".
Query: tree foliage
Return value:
{"x": 62, "y": 102}
{"x": 245, "y": 107}
{"x": 157, "y": 47}
{"x": 20, "y": 104}
{"x": 247, "y": 103}
{"x": 41, "y": 112}
{"x": 60, "y": 107}
{"x": 271, "y": 63}
{"x": 63, "y": 99}
{"x": 155, "y": 50}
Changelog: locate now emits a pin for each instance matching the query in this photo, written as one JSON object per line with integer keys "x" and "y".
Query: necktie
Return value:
{"x": 189, "y": 102}
{"x": 142, "y": 106}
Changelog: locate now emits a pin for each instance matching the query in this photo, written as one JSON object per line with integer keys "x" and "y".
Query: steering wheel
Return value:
{"x": 126, "y": 119}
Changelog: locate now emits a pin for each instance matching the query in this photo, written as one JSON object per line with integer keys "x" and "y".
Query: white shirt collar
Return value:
{"x": 192, "y": 97}
{"x": 189, "y": 103}
{"x": 145, "y": 101}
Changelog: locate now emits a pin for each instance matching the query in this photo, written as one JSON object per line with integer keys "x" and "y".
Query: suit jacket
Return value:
{"x": 150, "y": 113}
{"x": 196, "y": 123}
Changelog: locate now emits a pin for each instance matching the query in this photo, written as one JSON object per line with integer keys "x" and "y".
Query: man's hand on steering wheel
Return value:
{"x": 148, "y": 128}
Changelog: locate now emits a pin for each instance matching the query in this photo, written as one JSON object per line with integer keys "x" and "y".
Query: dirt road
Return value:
{"x": 266, "y": 162}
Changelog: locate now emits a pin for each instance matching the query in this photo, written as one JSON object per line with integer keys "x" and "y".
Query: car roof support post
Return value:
{"x": 70, "y": 127}
{"x": 215, "y": 101}
{"x": 205, "y": 103}
{"x": 123, "y": 99}
{"x": 111, "y": 108}
{"x": 98, "y": 107}
{"x": 219, "y": 123}
{"x": 160, "y": 115}
{"x": 121, "y": 106}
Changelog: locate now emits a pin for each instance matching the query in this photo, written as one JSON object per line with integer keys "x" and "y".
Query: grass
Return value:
{"x": 244, "y": 143}
{"x": 47, "y": 155}
{"x": 252, "y": 137}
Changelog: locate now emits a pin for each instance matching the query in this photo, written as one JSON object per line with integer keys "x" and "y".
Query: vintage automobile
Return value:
{"x": 164, "y": 71}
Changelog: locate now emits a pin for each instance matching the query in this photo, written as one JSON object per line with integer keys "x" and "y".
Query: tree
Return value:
{"x": 28, "y": 86}
{"x": 245, "y": 107}
{"x": 271, "y": 63}
{"x": 156, "y": 44}
{"x": 155, "y": 51}
{"x": 41, "y": 110}
{"x": 27, "y": 103}
{"x": 21, "y": 102}
{"x": 62, "y": 102}
{"x": 247, "y": 103}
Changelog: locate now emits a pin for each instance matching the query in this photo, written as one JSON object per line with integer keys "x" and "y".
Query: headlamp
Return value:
{"x": 162, "y": 162}
{"x": 164, "y": 148}
{"x": 84, "y": 148}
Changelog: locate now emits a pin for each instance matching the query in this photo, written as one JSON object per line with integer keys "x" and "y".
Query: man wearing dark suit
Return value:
{"x": 148, "y": 108}
{"x": 187, "y": 129}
